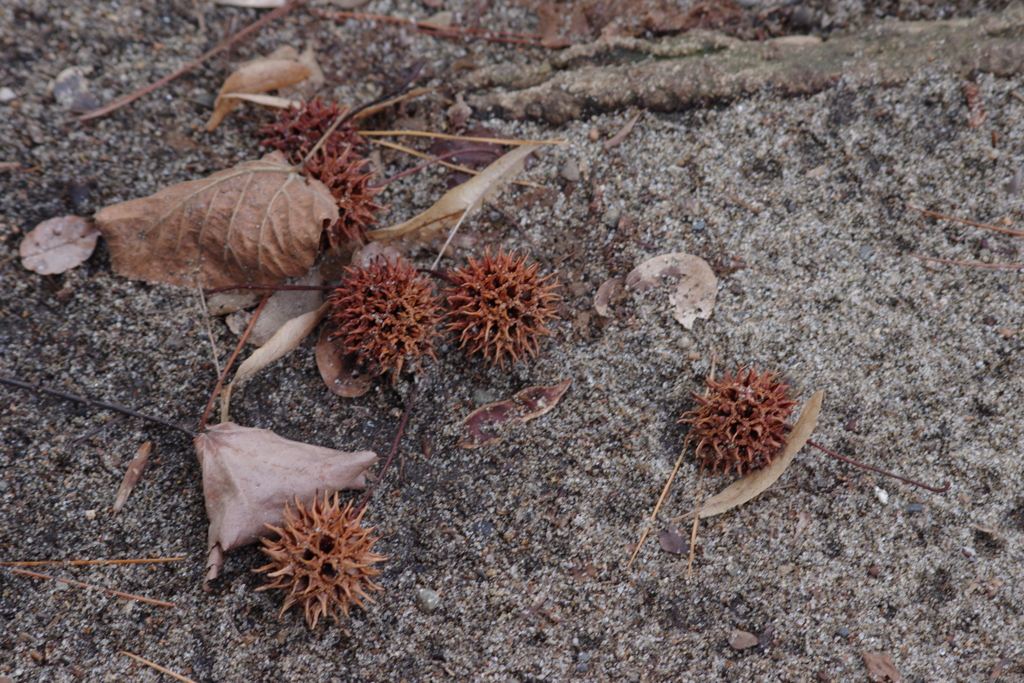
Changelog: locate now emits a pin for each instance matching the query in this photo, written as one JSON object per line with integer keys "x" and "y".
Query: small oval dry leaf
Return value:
{"x": 741, "y": 640}
{"x": 259, "y": 75}
{"x": 881, "y": 668}
{"x": 604, "y": 295}
{"x": 132, "y": 475}
{"x": 748, "y": 487}
{"x": 693, "y": 297}
{"x": 673, "y": 542}
{"x": 483, "y": 425}
{"x": 338, "y": 369}
{"x": 58, "y": 245}
{"x": 286, "y": 339}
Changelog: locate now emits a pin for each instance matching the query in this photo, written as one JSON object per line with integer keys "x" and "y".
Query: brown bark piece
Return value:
{"x": 617, "y": 72}
{"x": 259, "y": 222}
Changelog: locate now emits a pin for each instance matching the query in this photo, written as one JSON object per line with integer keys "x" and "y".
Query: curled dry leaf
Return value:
{"x": 132, "y": 475}
{"x": 741, "y": 640}
{"x": 748, "y": 487}
{"x": 340, "y": 370}
{"x": 466, "y": 198}
{"x": 485, "y": 424}
{"x": 249, "y": 474}
{"x": 259, "y": 222}
{"x": 257, "y": 76}
{"x": 694, "y": 296}
{"x": 604, "y": 295}
{"x": 286, "y": 339}
{"x": 285, "y": 305}
{"x": 617, "y": 139}
{"x": 880, "y": 667}
{"x": 58, "y": 245}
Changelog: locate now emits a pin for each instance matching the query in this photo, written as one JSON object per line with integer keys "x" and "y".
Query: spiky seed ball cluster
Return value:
{"x": 500, "y": 307}
{"x": 321, "y": 559}
{"x": 385, "y": 314}
{"x": 340, "y": 164}
{"x": 740, "y": 424}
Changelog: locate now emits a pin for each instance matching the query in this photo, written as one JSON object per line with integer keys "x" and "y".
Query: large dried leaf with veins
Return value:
{"x": 259, "y": 222}
{"x": 249, "y": 474}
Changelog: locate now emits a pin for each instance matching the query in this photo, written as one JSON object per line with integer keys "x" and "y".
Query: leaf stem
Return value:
{"x": 934, "y": 489}
{"x": 391, "y": 455}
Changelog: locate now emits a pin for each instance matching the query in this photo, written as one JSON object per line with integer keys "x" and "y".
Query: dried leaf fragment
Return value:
{"x": 693, "y": 297}
{"x": 132, "y": 475}
{"x": 748, "y": 487}
{"x": 618, "y": 138}
{"x": 58, "y": 245}
{"x": 484, "y": 425}
{"x": 881, "y": 667}
{"x": 257, "y": 76}
{"x": 286, "y": 339}
{"x": 741, "y": 640}
{"x": 249, "y": 474}
{"x": 672, "y": 541}
{"x": 463, "y": 199}
{"x": 604, "y": 295}
{"x": 259, "y": 222}
{"x": 339, "y": 368}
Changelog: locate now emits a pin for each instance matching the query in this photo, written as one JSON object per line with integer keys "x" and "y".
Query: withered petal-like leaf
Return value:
{"x": 694, "y": 296}
{"x": 338, "y": 368}
{"x": 249, "y": 474}
{"x": 259, "y": 75}
{"x": 132, "y": 475}
{"x": 259, "y": 222}
{"x": 58, "y": 245}
{"x": 881, "y": 668}
{"x": 604, "y": 295}
{"x": 286, "y": 339}
{"x": 483, "y": 425}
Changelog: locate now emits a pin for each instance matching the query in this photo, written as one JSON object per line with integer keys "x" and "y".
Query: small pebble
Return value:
{"x": 866, "y": 252}
{"x": 175, "y": 342}
{"x": 90, "y": 514}
{"x": 875, "y": 570}
{"x": 611, "y": 218}
{"x": 482, "y": 397}
{"x": 802, "y": 17}
{"x": 583, "y": 657}
{"x": 571, "y": 171}
{"x": 698, "y": 225}
{"x": 582, "y": 668}
{"x": 843, "y": 632}
{"x": 915, "y": 507}
{"x": 990, "y": 320}
{"x": 594, "y": 135}
{"x": 6, "y": 94}
{"x": 969, "y": 552}
{"x": 882, "y": 495}
{"x": 427, "y": 601}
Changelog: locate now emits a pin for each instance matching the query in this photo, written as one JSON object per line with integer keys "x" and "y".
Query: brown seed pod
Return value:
{"x": 296, "y": 131}
{"x": 500, "y": 308}
{"x": 385, "y": 314}
{"x": 740, "y": 424}
{"x": 321, "y": 559}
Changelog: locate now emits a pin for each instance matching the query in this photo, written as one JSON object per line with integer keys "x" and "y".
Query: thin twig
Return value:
{"x": 77, "y": 563}
{"x": 1012, "y": 266}
{"x": 440, "y": 31}
{"x": 80, "y": 584}
{"x": 156, "y": 666}
{"x": 205, "y": 312}
{"x": 933, "y": 489}
{"x": 391, "y": 455}
{"x": 933, "y": 214}
{"x": 381, "y": 106}
{"x": 89, "y": 402}
{"x": 271, "y": 288}
{"x": 96, "y": 430}
{"x": 231, "y": 361}
{"x": 742, "y": 203}
{"x": 464, "y": 138}
{"x": 221, "y": 46}
{"x": 451, "y": 235}
{"x": 421, "y": 155}
{"x": 693, "y": 530}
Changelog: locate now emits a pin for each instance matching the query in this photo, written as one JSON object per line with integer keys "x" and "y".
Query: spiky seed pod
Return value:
{"x": 740, "y": 424}
{"x": 347, "y": 176}
{"x": 297, "y": 130}
{"x": 321, "y": 559}
{"x": 500, "y": 307}
{"x": 385, "y": 314}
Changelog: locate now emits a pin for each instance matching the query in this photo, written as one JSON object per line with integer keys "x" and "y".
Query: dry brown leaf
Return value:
{"x": 285, "y": 305}
{"x": 881, "y": 667}
{"x": 132, "y": 475}
{"x": 466, "y": 198}
{"x": 604, "y": 295}
{"x": 259, "y": 222}
{"x": 286, "y": 339}
{"x": 694, "y": 296}
{"x": 672, "y": 541}
{"x": 746, "y": 488}
{"x": 271, "y": 101}
{"x": 308, "y": 88}
{"x": 58, "y": 245}
{"x": 617, "y": 139}
{"x": 338, "y": 369}
{"x": 249, "y": 474}
{"x": 481, "y": 427}
{"x": 223, "y": 303}
{"x": 257, "y": 76}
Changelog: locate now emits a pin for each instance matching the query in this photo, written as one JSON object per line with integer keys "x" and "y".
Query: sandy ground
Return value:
{"x": 526, "y": 541}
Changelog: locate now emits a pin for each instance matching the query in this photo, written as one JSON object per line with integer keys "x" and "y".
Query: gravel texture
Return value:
{"x": 526, "y": 541}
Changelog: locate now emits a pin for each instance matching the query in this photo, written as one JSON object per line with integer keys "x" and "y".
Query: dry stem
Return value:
{"x": 80, "y": 584}
{"x": 156, "y": 666}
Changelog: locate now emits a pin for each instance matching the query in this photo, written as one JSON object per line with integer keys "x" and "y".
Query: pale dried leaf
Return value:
{"x": 308, "y": 88}
{"x": 132, "y": 475}
{"x": 881, "y": 667}
{"x": 366, "y": 256}
{"x": 223, "y": 303}
{"x": 746, "y": 488}
{"x": 466, "y": 198}
{"x": 259, "y": 222}
{"x": 249, "y": 474}
{"x": 484, "y": 425}
{"x": 271, "y": 101}
{"x": 693, "y": 297}
{"x": 285, "y": 305}
{"x": 623, "y": 133}
{"x": 673, "y": 542}
{"x": 287, "y": 339}
{"x": 741, "y": 640}
{"x": 58, "y": 245}
{"x": 604, "y": 295}
{"x": 338, "y": 369}
{"x": 257, "y": 76}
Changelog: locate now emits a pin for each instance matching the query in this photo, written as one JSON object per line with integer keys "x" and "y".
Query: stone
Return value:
{"x": 427, "y": 601}
{"x": 571, "y": 171}
{"x": 843, "y": 632}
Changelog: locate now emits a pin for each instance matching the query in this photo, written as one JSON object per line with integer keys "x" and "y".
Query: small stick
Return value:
{"x": 432, "y": 160}
{"x": 451, "y": 235}
{"x": 421, "y": 155}
{"x": 693, "y": 531}
{"x": 209, "y": 330}
{"x": 39, "y": 563}
{"x": 221, "y": 46}
{"x": 89, "y": 402}
{"x": 1017, "y": 95}
{"x": 441, "y": 31}
{"x": 231, "y": 361}
{"x": 464, "y": 138}
{"x": 156, "y": 666}
{"x": 96, "y": 430}
{"x": 933, "y": 489}
{"x": 391, "y": 455}
{"x": 1012, "y": 266}
{"x": 742, "y": 203}
{"x": 381, "y": 106}
{"x": 1018, "y": 233}
{"x": 108, "y": 591}
{"x": 272, "y": 288}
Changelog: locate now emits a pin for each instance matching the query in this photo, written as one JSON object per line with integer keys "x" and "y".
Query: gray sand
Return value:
{"x": 918, "y": 363}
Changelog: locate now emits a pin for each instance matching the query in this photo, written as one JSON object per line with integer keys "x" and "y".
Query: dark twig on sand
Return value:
{"x": 391, "y": 455}
{"x": 933, "y": 489}
{"x": 231, "y": 361}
